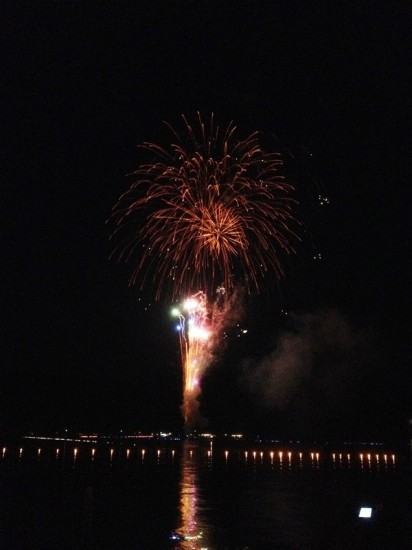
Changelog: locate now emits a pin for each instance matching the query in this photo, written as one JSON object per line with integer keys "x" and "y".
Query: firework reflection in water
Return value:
{"x": 190, "y": 534}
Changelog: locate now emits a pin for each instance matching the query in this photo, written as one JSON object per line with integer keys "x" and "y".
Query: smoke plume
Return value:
{"x": 319, "y": 354}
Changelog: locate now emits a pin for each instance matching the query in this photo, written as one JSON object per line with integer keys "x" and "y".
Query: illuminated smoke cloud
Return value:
{"x": 320, "y": 347}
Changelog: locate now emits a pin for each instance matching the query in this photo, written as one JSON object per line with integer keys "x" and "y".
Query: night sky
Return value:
{"x": 327, "y": 353}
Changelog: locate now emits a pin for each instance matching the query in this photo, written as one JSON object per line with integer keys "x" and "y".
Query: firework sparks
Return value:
{"x": 208, "y": 207}
{"x": 207, "y": 210}
{"x": 195, "y": 346}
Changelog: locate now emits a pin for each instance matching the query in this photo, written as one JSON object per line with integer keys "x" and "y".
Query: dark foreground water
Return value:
{"x": 193, "y": 496}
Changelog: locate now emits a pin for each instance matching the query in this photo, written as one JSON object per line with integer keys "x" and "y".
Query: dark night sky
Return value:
{"x": 84, "y": 83}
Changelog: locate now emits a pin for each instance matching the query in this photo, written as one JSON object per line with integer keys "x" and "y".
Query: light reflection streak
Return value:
{"x": 189, "y": 535}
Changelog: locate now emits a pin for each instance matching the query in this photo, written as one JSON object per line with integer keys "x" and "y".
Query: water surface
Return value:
{"x": 192, "y": 496}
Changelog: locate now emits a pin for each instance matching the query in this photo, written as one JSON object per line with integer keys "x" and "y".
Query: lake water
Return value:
{"x": 198, "y": 496}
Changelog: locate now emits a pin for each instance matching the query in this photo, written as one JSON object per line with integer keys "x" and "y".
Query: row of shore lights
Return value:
{"x": 363, "y": 457}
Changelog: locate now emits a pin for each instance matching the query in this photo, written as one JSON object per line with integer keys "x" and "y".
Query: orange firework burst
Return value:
{"x": 206, "y": 208}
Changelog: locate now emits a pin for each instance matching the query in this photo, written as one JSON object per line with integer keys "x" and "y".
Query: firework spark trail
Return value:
{"x": 195, "y": 336}
{"x": 200, "y": 326}
{"x": 207, "y": 210}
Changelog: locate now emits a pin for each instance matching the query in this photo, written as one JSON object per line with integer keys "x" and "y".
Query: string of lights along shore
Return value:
{"x": 205, "y": 219}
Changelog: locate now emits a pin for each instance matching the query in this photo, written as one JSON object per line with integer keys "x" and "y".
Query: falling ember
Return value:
{"x": 209, "y": 211}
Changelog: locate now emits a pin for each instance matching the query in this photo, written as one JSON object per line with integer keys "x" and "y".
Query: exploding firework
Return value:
{"x": 207, "y": 211}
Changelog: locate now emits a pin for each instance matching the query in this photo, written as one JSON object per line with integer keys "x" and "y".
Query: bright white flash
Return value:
{"x": 190, "y": 304}
{"x": 198, "y": 333}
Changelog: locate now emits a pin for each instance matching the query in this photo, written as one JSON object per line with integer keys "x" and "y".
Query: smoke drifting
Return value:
{"x": 319, "y": 354}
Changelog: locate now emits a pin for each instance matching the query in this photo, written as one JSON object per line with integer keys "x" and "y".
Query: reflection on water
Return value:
{"x": 192, "y": 496}
{"x": 190, "y": 535}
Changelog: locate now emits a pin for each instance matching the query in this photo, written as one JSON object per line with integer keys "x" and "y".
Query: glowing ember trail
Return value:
{"x": 209, "y": 210}
{"x": 195, "y": 337}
